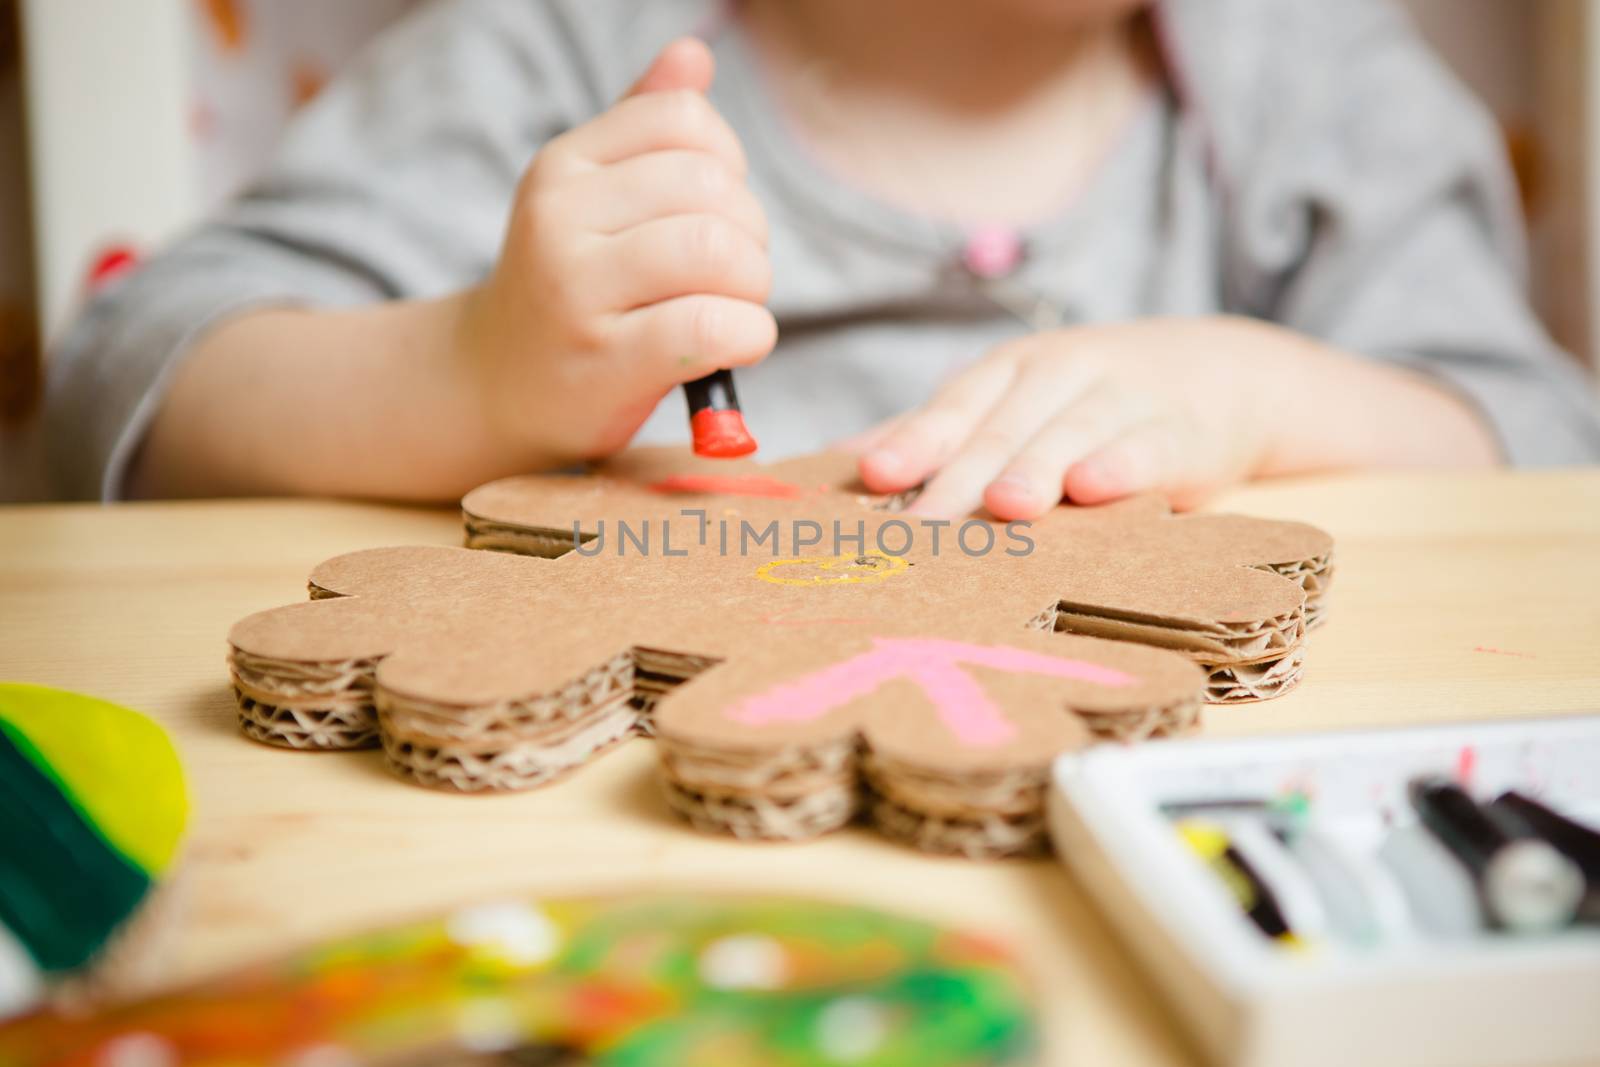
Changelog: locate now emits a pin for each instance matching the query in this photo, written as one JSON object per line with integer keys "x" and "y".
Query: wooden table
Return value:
{"x": 1457, "y": 597}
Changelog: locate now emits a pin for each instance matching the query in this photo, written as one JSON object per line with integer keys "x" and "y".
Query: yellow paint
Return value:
{"x": 1205, "y": 840}
{"x": 117, "y": 766}
{"x": 1210, "y": 843}
{"x": 840, "y": 570}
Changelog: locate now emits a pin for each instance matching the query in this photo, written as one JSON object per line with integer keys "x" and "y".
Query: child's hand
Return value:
{"x": 636, "y": 260}
{"x": 1090, "y": 414}
{"x": 1182, "y": 407}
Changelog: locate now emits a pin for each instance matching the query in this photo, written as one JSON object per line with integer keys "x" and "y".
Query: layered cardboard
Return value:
{"x": 792, "y": 687}
{"x": 491, "y": 671}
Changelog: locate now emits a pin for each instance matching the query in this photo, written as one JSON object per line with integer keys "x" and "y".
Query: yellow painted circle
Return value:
{"x": 839, "y": 570}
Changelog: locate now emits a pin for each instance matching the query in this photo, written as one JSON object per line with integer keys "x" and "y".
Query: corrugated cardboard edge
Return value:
{"x": 796, "y": 783}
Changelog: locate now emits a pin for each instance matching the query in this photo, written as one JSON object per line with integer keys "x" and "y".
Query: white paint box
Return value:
{"x": 1490, "y": 999}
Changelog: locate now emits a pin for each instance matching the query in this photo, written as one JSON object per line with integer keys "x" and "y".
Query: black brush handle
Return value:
{"x": 714, "y": 392}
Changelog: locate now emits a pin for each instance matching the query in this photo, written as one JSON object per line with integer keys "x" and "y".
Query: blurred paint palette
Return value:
{"x": 613, "y": 981}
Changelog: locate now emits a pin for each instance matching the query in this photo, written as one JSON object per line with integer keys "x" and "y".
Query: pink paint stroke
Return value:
{"x": 1503, "y": 652}
{"x": 938, "y": 667}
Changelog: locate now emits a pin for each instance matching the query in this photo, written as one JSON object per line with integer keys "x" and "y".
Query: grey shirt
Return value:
{"x": 1308, "y": 162}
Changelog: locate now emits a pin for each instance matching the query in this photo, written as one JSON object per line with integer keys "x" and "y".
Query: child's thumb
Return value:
{"x": 684, "y": 64}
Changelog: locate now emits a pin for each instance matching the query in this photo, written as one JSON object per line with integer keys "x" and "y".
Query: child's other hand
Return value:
{"x": 635, "y": 260}
{"x": 1094, "y": 413}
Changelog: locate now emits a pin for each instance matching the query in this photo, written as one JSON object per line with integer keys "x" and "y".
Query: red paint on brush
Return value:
{"x": 721, "y": 435}
{"x": 730, "y": 485}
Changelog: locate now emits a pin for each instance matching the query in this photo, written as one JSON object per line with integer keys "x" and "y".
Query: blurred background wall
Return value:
{"x": 1536, "y": 63}
{"x": 123, "y": 120}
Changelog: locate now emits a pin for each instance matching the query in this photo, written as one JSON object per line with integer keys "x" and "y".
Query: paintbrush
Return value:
{"x": 715, "y": 418}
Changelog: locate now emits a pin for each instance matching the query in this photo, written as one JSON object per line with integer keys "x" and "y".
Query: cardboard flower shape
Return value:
{"x": 863, "y": 661}
{"x": 495, "y": 671}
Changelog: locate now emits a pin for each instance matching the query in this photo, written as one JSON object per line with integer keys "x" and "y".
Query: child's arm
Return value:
{"x": 1364, "y": 207}
{"x": 635, "y": 260}
{"x": 365, "y": 321}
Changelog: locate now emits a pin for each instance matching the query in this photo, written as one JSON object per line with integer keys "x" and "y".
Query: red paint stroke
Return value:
{"x": 721, "y": 434}
{"x": 1503, "y": 652}
{"x": 729, "y": 485}
{"x": 938, "y": 667}
{"x": 112, "y": 263}
{"x": 1466, "y": 764}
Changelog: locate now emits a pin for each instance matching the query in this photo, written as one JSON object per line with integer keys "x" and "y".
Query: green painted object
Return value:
{"x": 93, "y": 807}
{"x": 701, "y": 981}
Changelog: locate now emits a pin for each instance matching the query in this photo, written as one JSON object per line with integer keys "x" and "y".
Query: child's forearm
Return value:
{"x": 1328, "y": 410}
{"x": 372, "y": 403}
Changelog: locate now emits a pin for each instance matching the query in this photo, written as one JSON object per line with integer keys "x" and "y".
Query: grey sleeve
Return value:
{"x": 395, "y": 184}
{"x": 1374, "y": 209}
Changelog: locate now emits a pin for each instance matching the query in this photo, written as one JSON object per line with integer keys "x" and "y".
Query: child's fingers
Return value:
{"x": 922, "y": 441}
{"x": 674, "y": 182}
{"x": 1035, "y": 396}
{"x": 654, "y": 122}
{"x": 1149, "y": 457}
{"x": 685, "y": 63}
{"x": 680, "y": 256}
{"x": 687, "y": 338}
{"x": 1034, "y": 481}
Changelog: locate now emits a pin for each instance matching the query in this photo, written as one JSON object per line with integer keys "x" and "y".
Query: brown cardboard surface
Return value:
{"x": 900, "y": 719}
{"x": 919, "y": 683}
{"x": 1225, "y": 589}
